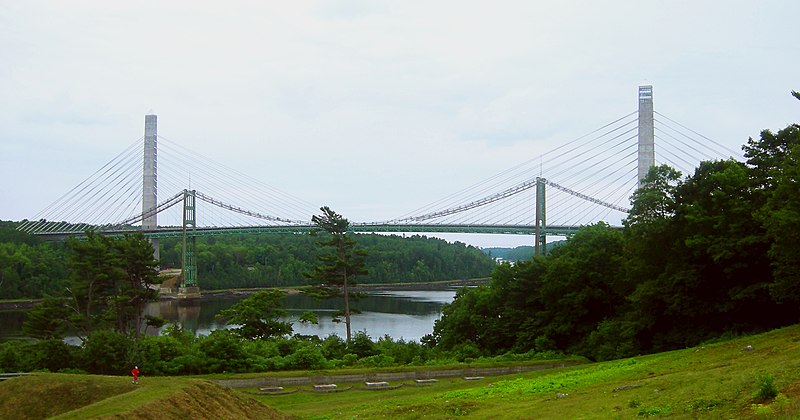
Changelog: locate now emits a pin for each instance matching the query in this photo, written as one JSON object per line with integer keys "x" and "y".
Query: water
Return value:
{"x": 406, "y": 314}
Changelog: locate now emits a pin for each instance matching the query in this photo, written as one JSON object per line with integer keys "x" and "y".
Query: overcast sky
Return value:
{"x": 374, "y": 108}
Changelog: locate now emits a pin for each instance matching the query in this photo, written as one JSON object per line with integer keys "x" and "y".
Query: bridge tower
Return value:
{"x": 541, "y": 220}
{"x": 150, "y": 187}
{"x": 188, "y": 288}
{"x": 647, "y": 157}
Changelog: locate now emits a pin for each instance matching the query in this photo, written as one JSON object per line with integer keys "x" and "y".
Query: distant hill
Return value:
{"x": 519, "y": 253}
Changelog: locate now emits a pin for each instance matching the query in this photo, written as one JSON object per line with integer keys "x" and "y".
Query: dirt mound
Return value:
{"x": 91, "y": 396}
{"x": 204, "y": 400}
{"x": 45, "y": 395}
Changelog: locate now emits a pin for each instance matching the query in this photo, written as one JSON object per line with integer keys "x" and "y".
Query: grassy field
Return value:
{"x": 720, "y": 380}
{"x": 732, "y": 379}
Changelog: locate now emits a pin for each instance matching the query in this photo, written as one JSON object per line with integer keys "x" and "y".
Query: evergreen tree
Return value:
{"x": 109, "y": 284}
{"x": 339, "y": 267}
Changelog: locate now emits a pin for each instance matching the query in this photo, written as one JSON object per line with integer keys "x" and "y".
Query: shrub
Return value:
{"x": 362, "y": 345}
{"x": 766, "y": 388}
{"x": 307, "y": 357}
{"x": 53, "y": 355}
{"x": 106, "y": 352}
{"x": 333, "y": 347}
{"x": 379, "y": 360}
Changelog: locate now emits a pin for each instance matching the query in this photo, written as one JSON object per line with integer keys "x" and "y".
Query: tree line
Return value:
{"x": 278, "y": 260}
{"x": 32, "y": 268}
{"x": 711, "y": 254}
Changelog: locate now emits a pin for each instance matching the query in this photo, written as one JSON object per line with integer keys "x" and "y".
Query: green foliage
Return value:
{"x": 716, "y": 253}
{"x": 106, "y": 352}
{"x": 32, "y": 269}
{"x": 775, "y": 163}
{"x": 361, "y": 345}
{"x": 337, "y": 270}
{"x": 28, "y": 267}
{"x": 552, "y": 303}
{"x": 46, "y": 320}
{"x": 766, "y": 388}
{"x": 222, "y": 351}
{"x": 108, "y": 286}
{"x": 258, "y": 315}
{"x": 306, "y": 357}
{"x": 278, "y": 260}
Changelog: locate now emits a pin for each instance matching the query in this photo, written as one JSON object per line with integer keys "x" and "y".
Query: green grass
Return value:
{"x": 718, "y": 380}
{"x": 64, "y": 396}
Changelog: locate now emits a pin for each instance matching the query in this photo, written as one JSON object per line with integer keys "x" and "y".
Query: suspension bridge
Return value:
{"x": 583, "y": 181}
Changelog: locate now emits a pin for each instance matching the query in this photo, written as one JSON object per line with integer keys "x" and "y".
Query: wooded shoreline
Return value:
{"x": 11, "y": 305}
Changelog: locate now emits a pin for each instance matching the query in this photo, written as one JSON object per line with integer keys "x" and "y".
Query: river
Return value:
{"x": 406, "y": 314}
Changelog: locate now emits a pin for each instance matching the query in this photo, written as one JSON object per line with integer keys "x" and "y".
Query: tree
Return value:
{"x": 257, "y": 316}
{"x": 134, "y": 291}
{"x": 774, "y": 162}
{"x": 339, "y": 267}
{"x": 46, "y": 319}
{"x": 109, "y": 284}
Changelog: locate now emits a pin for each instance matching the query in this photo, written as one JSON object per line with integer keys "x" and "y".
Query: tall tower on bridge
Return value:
{"x": 647, "y": 154}
{"x": 150, "y": 188}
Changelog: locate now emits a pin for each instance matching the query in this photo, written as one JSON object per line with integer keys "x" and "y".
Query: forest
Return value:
{"x": 709, "y": 255}
{"x": 32, "y": 268}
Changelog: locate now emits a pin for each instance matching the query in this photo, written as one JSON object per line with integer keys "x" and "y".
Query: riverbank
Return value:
{"x": 21, "y": 304}
{"x": 433, "y": 285}
{"x": 17, "y": 304}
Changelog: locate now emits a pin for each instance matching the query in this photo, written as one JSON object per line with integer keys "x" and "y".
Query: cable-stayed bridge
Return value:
{"x": 167, "y": 190}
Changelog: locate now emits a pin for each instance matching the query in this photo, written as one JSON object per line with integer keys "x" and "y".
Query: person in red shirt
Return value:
{"x": 135, "y": 373}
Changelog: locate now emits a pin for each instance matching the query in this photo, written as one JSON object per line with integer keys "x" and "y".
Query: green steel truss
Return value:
{"x": 177, "y": 231}
{"x": 172, "y": 232}
{"x": 189, "y": 238}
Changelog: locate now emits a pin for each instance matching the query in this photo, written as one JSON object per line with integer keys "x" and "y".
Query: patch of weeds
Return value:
{"x": 634, "y": 403}
{"x": 766, "y": 388}
{"x": 706, "y": 405}
{"x": 457, "y": 410}
{"x": 761, "y": 410}
{"x": 769, "y": 410}
{"x": 654, "y": 411}
{"x": 781, "y": 399}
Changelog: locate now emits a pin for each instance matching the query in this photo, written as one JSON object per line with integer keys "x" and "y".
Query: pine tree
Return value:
{"x": 336, "y": 271}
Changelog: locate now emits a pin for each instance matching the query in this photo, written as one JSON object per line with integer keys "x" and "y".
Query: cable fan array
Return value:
{"x": 111, "y": 198}
{"x": 591, "y": 177}
{"x": 598, "y": 168}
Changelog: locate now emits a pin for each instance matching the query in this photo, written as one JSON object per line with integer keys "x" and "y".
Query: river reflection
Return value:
{"x": 399, "y": 314}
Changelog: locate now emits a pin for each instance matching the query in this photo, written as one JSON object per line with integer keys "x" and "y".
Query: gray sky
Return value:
{"x": 373, "y": 108}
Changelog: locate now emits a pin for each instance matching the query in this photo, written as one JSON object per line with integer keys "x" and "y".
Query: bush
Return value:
{"x": 307, "y": 357}
{"x": 11, "y": 356}
{"x": 53, "y": 355}
{"x": 379, "y": 360}
{"x": 105, "y": 352}
{"x": 223, "y": 351}
{"x": 404, "y": 353}
{"x": 766, "y": 388}
{"x": 333, "y": 347}
{"x": 362, "y": 345}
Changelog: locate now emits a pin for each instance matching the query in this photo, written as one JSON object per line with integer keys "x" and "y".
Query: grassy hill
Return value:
{"x": 716, "y": 380}
{"x": 720, "y": 380}
{"x": 90, "y": 396}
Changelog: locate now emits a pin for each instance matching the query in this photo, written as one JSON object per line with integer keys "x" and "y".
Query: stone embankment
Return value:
{"x": 11, "y": 305}
{"x": 382, "y": 377}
